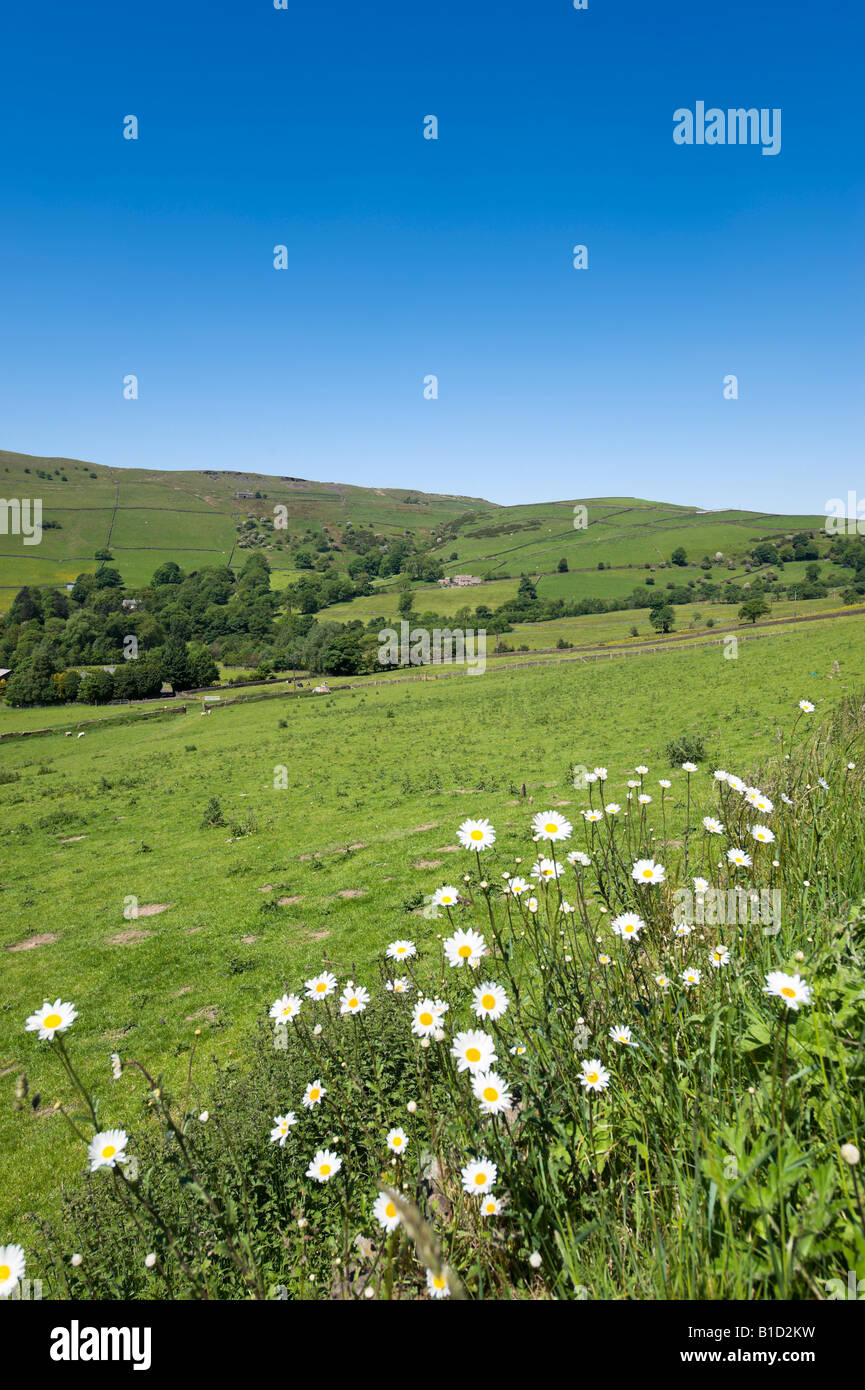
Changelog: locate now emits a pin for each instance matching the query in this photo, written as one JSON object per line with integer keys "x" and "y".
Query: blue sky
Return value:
{"x": 410, "y": 257}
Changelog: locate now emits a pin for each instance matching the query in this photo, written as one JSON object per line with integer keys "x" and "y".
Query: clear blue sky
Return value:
{"x": 410, "y": 257}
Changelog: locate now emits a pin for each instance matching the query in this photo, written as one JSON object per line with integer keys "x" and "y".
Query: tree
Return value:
{"x": 175, "y": 664}
{"x": 753, "y": 608}
{"x": 663, "y": 618}
{"x": 404, "y": 606}
{"x": 563, "y": 565}
{"x": 96, "y": 688}
{"x": 679, "y": 556}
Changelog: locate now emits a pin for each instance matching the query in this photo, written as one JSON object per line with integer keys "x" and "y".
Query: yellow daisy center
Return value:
{"x": 480, "y": 1179}
{"x": 426, "y": 1019}
{"x": 5, "y": 1271}
{"x": 352, "y": 1003}
{"x": 788, "y": 992}
{"x": 438, "y": 1282}
{"x": 465, "y": 952}
{"x": 109, "y": 1151}
{"x": 476, "y": 835}
{"x": 490, "y": 1093}
{"x": 325, "y": 1169}
{"x": 52, "y": 1021}
{"x": 321, "y": 987}
{"x": 591, "y": 1076}
{"x": 397, "y": 1141}
{"x": 473, "y": 1054}
{"x": 647, "y": 873}
{"x": 390, "y": 1210}
{"x": 551, "y": 827}
{"x": 314, "y": 1093}
{"x": 488, "y": 1001}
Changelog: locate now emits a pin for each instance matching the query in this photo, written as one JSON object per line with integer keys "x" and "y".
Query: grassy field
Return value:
{"x": 360, "y": 833}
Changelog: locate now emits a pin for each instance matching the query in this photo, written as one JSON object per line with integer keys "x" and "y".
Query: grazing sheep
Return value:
{"x": 80, "y": 735}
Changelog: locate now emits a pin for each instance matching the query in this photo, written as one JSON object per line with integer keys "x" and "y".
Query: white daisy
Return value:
{"x": 549, "y": 825}
{"x": 490, "y": 1001}
{"x": 437, "y": 1284}
{"x": 791, "y": 988}
{"x": 739, "y": 858}
{"x": 701, "y": 885}
{"x": 324, "y": 1165}
{"x": 647, "y": 872}
{"x": 479, "y": 1176}
{"x": 314, "y": 1094}
{"x": 353, "y": 999}
{"x": 622, "y": 1034}
{"x": 446, "y": 896}
{"x": 492, "y": 1092}
{"x": 714, "y": 827}
{"x": 806, "y": 706}
{"x": 107, "y": 1149}
{"x": 399, "y": 985}
{"x": 12, "y": 1266}
{"x": 474, "y": 1051}
{"x": 285, "y": 1008}
{"x": 762, "y": 834}
{"x": 642, "y": 770}
{"x": 547, "y": 869}
{"x": 691, "y": 976}
{"x": 51, "y": 1019}
{"x": 613, "y": 808}
{"x": 604, "y": 960}
{"x": 424, "y": 1018}
{"x": 663, "y": 981}
{"x": 400, "y": 950}
{"x": 491, "y": 1206}
{"x": 464, "y": 948}
{"x": 628, "y": 926}
{"x": 577, "y": 856}
{"x": 281, "y": 1125}
{"x": 594, "y": 1076}
{"x": 517, "y": 886}
{"x": 682, "y": 929}
{"x": 719, "y": 775}
{"x": 476, "y": 834}
{"x": 397, "y": 1140}
{"x": 593, "y": 816}
{"x": 320, "y": 986}
{"x": 385, "y": 1212}
{"x": 736, "y": 783}
{"x": 689, "y": 767}
{"x": 601, "y": 773}
{"x": 719, "y": 956}
{"x": 665, "y": 783}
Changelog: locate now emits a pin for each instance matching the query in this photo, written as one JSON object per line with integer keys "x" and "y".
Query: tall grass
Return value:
{"x": 712, "y": 1166}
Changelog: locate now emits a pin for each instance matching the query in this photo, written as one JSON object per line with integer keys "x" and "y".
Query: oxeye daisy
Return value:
{"x": 590, "y": 778}
{"x": 400, "y": 985}
{"x": 424, "y": 1018}
{"x": 446, "y": 896}
{"x": 518, "y": 1050}
{"x": 492, "y": 1092}
{"x": 12, "y": 1266}
{"x": 397, "y": 1140}
{"x": 353, "y": 999}
{"x": 547, "y": 869}
{"x": 320, "y": 986}
{"x": 549, "y": 825}
{"x": 665, "y": 783}
{"x": 51, "y": 1019}
{"x": 314, "y": 1094}
{"x": 491, "y": 1206}
{"x": 593, "y": 816}
{"x": 806, "y": 707}
{"x": 594, "y": 1076}
{"x": 682, "y": 929}
{"x": 285, "y": 1008}
{"x": 644, "y": 799}
{"x": 719, "y": 775}
{"x": 577, "y": 856}
{"x": 107, "y": 1149}
{"x": 400, "y": 950}
{"x": 689, "y": 767}
{"x": 642, "y": 770}
{"x": 735, "y": 782}
{"x": 628, "y": 926}
{"x": 762, "y": 834}
{"x": 385, "y": 1212}
{"x": 516, "y": 886}
{"x": 647, "y": 872}
{"x": 719, "y": 956}
{"x": 464, "y": 948}
{"x": 622, "y": 1034}
{"x": 791, "y": 988}
{"x": 281, "y": 1125}
{"x": 324, "y": 1165}
{"x": 532, "y": 904}
{"x": 490, "y": 1001}
{"x": 437, "y": 1284}
{"x": 713, "y": 826}
{"x": 662, "y": 981}
{"x": 601, "y": 773}
{"x": 739, "y": 858}
{"x": 604, "y": 960}
{"x": 691, "y": 976}
{"x": 760, "y": 802}
{"x": 476, "y": 834}
{"x": 613, "y": 808}
{"x": 479, "y": 1176}
{"x": 474, "y": 1051}
{"x": 701, "y": 885}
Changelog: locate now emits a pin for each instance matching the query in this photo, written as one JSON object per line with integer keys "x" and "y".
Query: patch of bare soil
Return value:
{"x": 43, "y": 938}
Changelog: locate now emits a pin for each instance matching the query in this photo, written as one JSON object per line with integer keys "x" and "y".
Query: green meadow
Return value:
{"x": 338, "y": 817}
